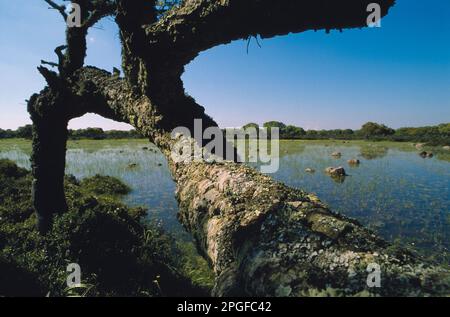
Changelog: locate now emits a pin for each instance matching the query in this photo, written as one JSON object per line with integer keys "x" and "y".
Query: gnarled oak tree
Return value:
{"x": 261, "y": 237}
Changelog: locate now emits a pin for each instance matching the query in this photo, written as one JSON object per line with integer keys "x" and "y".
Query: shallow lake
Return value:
{"x": 394, "y": 191}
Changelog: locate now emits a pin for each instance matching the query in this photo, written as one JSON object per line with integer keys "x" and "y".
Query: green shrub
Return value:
{"x": 119, "y": 254}
{"x": 105, "y": 185}
{"x": 9, "y": 169}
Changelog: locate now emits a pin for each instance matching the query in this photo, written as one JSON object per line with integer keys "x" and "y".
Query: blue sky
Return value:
{"x": 398, "y": 74}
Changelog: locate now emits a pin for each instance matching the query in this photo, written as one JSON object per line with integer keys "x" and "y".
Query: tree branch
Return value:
{"x": 61, "y": 57}
{"x": 101, "y": 10}
{"x": 60, "y": 8}
{"x": 52, "y": 64}
{"x": 196, "y": 26}
{"x": 50, "y": 77}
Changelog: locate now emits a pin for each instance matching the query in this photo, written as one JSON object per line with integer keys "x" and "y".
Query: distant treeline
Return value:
{"x": 437, "y": 135}
{"x": 434, "y": 135}
{"x": 89, "y": 133}
{"x": 100, "y": 134}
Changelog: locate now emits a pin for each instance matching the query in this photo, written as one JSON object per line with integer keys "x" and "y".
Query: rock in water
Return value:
{"x": 425, "y": 154}
{"x": 336, "y": 171}
{"x": 353, "y": 162}
{"x": 420, "y": 146}
{"x": 336, "y": 154}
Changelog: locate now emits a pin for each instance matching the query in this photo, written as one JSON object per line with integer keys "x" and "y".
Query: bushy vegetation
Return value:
{"x": 119, "y": 254}
{"x": 100, "y": 134}
{"x": 25, "y": 132}
{"x": 372, "y": 129}
{"x": 104, "y": 185}
{"x": 433, "y": 135}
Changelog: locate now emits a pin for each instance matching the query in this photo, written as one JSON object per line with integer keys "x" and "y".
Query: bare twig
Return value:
{"x": 60, "y": 8}
{"x": 249, "y": 40}
{"x": 52, "y": 64}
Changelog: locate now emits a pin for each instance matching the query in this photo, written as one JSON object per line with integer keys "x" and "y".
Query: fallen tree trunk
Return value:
{"x": 266, "y": 239}
{"x": 261, "y": 237}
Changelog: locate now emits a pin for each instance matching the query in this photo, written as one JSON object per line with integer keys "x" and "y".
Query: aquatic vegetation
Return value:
{"x": 371, "y": 152}
{"x": 104, "y": 185}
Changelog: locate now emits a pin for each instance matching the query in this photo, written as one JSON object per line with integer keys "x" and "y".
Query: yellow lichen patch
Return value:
{"x": 250, "y": 218}
{"x": 313, "y": 198}
{"x": 223, "y": 179}
{"x": 213, "y": 229}
{"x": 327, "y": 224}
{"x": 204, "y": 185}
{"x": 298, "y": 216}
{"x": 295, "y": 204}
